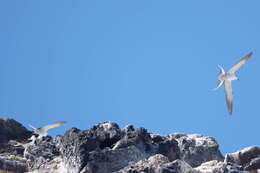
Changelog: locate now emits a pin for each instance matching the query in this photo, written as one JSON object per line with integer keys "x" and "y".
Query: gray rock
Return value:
{"x": 219, "y": 167}
{"x": 11, "y": 156}
{"x": 104, "y": 147}
{"x": 11, "y": 149}
{"x": 249, "y": 158}
{"x": 196, "y": 149}
{"x": 170, "y": 149}
{"x": 254, "y": 164}
{"x": 148, "y": 165}
{"x": 177, "y": 166}
{"x": 76, "y": 145}
{"x": 51, "y": 166}
{"x": 139, "y": 137}
{"x": 12, "y": 163}
{"x": 12, "y": 130}
{"x": 167, "y": 147}
{"x": 41, "y": 154}
{"x": 108, "y": 161}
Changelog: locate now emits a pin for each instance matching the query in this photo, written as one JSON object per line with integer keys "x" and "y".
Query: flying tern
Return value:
{"x": 228, "y": 77}
{"x": 43, "y": 131}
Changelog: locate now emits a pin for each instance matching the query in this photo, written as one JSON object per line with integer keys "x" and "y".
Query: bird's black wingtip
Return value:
{"x": 250, "y": 54}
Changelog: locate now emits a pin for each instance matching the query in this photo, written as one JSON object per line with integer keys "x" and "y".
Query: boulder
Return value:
{"x": 177, "y": 166}
{"x": 41, "y": 154}
{"x": 196, "y": 149}
{"x": 218, "y": 167}
{"x": 12, "y": 163}
{"x": 147, "y": 165}
{"x": 11, "y": 130}
{"x": 249, "y": 158}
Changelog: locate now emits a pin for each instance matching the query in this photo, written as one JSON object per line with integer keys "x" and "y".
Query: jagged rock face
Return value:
{"x": 10, "y": 155}
{"x": 105, "y": 148}
{"x": 39, "y": 154}
{"x": 112, "y": 160}
{"x": 148, "y": 165}
{"x": 158, "y": 164}
{"x": 140, "y": 138}
{"x": 177, "y": 166}
{"x": 166, "y": 146}
{"x": 13, "y": 164}
{"x": 11, "y": 130}
{"x": 249, "y": 158}
{"x": 196, "y": 149}
{"x": 219, "y": 167}
{"x": 76, "y": 145}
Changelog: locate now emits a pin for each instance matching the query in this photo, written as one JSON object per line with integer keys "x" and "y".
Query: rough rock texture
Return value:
{"x": 11, "y": 129}
{"x": 218, "y": 167}
{"x": 248, "y": 158}
{"x": 11, "y": 157}
{"x": 106, "y": 148}
{"x": 150, "y": 164}
{"x": 166, "y": 146}
{"x": 13, "y": 164}
{"x": 176, "y": 167}
{"x": 41, "y": 153}
{"x": 196, "y": 149}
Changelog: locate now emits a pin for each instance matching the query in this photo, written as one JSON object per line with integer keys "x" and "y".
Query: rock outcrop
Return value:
{"x": 248, "y": 158}
{"x": 197, "y": 149}
{"x": 106, "y": 148}
{"x": 11, "y": 156}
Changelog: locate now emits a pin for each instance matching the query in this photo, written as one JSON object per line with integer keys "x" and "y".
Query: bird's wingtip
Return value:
{"x": 214, "y": 89}
{"x": 250, "y": 54}
{"x": 32, "y": 126}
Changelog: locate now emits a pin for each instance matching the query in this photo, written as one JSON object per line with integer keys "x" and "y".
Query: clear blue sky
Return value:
{"x": 148, "y": 63}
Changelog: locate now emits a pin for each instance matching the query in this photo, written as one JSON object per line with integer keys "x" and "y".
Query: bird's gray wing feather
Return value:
{"x": 50, "y": 126}
{"x": 229, "y": 96}
{"x": 240, "y": 63}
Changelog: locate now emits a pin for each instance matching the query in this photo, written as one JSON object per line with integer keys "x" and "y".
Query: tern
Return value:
{"x": 228, "y": 77}
{"x": 43, "y": 131}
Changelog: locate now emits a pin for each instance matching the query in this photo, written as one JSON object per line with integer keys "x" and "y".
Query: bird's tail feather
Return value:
{"x": 219, "y": 85}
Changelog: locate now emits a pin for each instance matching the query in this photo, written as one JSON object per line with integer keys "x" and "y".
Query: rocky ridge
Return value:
{"x": 106, "y": 148}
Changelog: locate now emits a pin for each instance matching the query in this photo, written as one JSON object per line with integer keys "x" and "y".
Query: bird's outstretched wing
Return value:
{"x": 240, "y": 63}
{"x": 50, "y": 126}
{"x": 229, "y": 96}
{"x": 32, "y": 127}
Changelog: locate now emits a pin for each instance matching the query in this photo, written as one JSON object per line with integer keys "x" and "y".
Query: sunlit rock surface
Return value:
{"x": 107, "y": 148}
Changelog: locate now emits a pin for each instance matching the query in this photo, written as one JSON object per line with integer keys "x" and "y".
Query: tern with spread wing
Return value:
{"x": 43, "y": 131}
{"x": 227, "y": 77}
